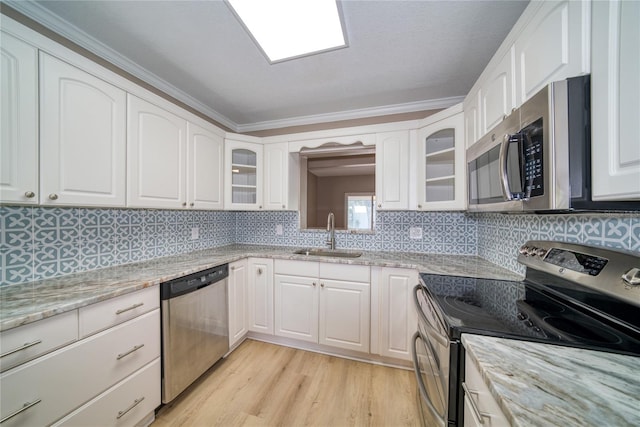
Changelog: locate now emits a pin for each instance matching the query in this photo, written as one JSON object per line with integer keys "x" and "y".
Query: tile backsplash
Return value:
{"x": 38, "y": 243}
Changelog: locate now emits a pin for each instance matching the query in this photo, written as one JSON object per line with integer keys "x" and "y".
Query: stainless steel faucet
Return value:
{"x": 331, "y": 228}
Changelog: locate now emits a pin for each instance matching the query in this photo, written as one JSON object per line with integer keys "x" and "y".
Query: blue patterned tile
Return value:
{"x": 16, "y": 226}
{"x": 634, "y": 237}
{"x": 17, "y": 264}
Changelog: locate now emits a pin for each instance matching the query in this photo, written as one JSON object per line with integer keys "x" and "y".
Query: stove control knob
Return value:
{"x": 632, "y": 277}
{"x": 531, "y": 251}
{"x": 524, "y": 250}
{"x": 521, "y": 316}
{"x": 528, "y": 323}
{"x": 541, "y": 252}
{"x": 537, "y": 329}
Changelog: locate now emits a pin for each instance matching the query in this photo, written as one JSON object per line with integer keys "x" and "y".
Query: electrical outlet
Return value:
{"x": 195, "y": 233}
{"x": 415, "y": 233}
{"x": 279, "y": 230}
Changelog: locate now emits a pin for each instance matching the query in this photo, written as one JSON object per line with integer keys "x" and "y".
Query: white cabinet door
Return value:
{"x": 82, "y": 137}
{"x": 615, "y": 100}
{"x": 472, "y": 118}
{"x": 344, "y": 314}
{"x": 205, "y": 166}
{"x": 276, "y": 176}
{"x": 554, "y": 45}
{"x": 243, "y": 175}
{"x": 296, "y": 307}
{"x": 237, "y": 301}
{"x": 392, "y": 170}
{"x": 441, "y": 168}
{"x": 496, "y": 94}
{"x": 398, "y": 318}
{"x": 261, "y": 295}
{"x": 156, "y": 160}
{"x": 19, "y": 118}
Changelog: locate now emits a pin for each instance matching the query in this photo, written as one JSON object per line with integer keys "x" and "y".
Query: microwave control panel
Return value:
{"x": 532, "y": 155}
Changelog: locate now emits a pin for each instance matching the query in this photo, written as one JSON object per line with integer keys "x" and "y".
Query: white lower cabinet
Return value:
{"x": 237, "y": 301}
{"x": 323, "y": 303}
{"x": 480, "y": 407}
{"x": 59, "y": 382}
{"x": 397, "y": 314}
{"x": 260, "y": 295}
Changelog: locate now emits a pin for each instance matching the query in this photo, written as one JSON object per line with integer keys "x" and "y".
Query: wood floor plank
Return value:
{"x": 262, "y": 384}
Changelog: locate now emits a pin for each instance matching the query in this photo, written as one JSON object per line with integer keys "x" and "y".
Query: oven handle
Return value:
{"x": 421, "y": 386}
{"x": 442, "y": 338}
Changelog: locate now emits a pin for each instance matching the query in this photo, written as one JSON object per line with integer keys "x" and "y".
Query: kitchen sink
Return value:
{"x": 328, "y": 253}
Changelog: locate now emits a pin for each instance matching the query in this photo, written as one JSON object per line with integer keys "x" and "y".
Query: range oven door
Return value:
{"x": 431, "y": 365}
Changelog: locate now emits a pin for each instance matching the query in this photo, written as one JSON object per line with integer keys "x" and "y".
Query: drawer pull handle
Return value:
{"x": 24, "y": 347}
{"x": 133, "y": 307}
{"x": 133, "y": 405}
{"x": 21, "y": 410}
{"x": 135, "y": 348}
{"x": 474, "y": 406}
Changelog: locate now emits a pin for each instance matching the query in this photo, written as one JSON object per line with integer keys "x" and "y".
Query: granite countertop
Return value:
{"x": 539, "y": 384}
{"x": 27, "y": 302}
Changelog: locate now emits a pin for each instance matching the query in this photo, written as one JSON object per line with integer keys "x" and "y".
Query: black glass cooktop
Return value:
{"x": 527, "y": 310}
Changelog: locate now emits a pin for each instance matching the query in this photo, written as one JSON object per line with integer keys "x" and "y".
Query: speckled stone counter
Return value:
{"x": 547, "y": 385}
{"x": 24, "y": 303}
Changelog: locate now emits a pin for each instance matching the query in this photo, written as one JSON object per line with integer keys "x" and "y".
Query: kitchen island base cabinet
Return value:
{"x": 323, "y": 303}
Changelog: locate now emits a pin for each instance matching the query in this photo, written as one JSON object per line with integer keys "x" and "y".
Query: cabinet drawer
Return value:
{"x": 67, "y": 378}
{"x": 139, "y": 393}
{"x": 480, "y": 396}
{"x": 345, "y": 272}
{"x": 105, "y": 314}
{"x": 297, "y": 268}
{"x": 27, "y": 342}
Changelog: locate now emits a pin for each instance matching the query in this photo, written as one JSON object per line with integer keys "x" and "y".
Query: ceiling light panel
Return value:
{"x": 286, "y": 29}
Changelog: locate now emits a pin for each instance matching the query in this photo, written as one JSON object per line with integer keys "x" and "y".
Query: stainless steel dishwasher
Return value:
{"x": 195, "y": 327}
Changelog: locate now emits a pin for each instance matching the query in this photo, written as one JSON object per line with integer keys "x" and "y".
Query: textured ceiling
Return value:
{"x": 400, "y": 52}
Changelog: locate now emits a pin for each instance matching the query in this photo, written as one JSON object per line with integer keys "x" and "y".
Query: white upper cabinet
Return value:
{"x": 82, "y": 137}
{"x": 243, "y": 175}
{"x": 392, "y": 170}
{"x": 554, "y": 45}
{"x": 615, "y": 100}
{"x": 276, "y": 176}
{"x": 472, "y": 118}
{"x": 205, "y": 168}
{"x": 157, "y": 151}
{"x": 496, "y": 94}
{"x": 441, "y": 168}
{"x": 19, "y": 118}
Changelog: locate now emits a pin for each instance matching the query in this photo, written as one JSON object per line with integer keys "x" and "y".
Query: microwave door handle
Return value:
{"x": 503, "y": 159}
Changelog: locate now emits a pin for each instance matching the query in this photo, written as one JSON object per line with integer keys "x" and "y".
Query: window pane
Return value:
{"x": 360, "y": 212}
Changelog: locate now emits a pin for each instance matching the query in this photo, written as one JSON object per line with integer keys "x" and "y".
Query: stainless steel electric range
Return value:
{"x": 572, "y": 295}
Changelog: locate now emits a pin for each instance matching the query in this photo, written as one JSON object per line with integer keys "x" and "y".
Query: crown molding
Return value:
{"x": 65, "y": 29}
{"x": 352, "y": 114}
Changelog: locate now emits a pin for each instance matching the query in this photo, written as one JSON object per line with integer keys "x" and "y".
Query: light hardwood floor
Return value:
{"x": 265, "y": 384}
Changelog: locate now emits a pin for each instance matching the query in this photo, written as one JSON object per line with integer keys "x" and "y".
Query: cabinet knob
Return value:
{"x": 379, "y": 205}
{"x": 184, "y": 204}
{"x": 29, "y": 194}
{"x": 283, "y": 206}
{"x": 260, "y": 207}
{"x": 259, "y": 271}
{"x": 419, "y": 206}
{"x": 322, "y": 285}
{"x": 233, "y": 268}
{"x": 314, "y": 283}
{"x": 191, "y": 204}
{"x": 53, "y": 196}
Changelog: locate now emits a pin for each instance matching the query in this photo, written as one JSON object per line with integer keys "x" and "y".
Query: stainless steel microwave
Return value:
{"x": 539, "y": 157}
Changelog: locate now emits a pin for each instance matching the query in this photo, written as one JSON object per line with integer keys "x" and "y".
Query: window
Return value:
{"x": 360, "y": 211}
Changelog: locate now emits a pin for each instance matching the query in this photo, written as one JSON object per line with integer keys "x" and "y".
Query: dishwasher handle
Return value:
{"x": 192, "y": 282}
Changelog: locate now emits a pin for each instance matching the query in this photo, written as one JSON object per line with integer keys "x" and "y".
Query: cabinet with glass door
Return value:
{"x": 441, "y": 166}
{"x": 243, "y": 175}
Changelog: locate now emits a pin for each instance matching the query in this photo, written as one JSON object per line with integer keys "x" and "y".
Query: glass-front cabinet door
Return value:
{"x": 243, "y": 175}
{"x": 441, "y": 169}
